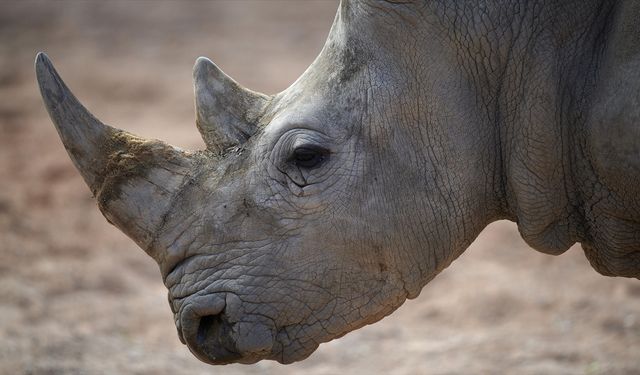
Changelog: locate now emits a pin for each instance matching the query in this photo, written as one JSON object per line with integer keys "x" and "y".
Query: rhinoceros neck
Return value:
{"x": 533, "y": 68}
{"x": 542, "y": 102}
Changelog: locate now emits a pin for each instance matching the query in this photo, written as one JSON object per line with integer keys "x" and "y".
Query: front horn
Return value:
{"x": 134, "y": 180}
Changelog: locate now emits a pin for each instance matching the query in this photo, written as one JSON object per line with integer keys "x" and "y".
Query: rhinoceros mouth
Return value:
{"x": 215, "y": 337}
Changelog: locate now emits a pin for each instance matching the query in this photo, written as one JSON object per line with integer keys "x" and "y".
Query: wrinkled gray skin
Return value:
{"x": 426, "y": 122}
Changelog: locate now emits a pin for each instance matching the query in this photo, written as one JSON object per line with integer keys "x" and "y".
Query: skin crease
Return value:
{"x": 436, "y": 118}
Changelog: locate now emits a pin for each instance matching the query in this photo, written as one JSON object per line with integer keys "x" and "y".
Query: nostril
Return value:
{"x": 213, "y": 338}
{"x": 208, "y": 327}
{"x": 206, "y": 330}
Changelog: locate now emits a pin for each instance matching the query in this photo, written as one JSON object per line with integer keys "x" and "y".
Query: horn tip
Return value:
{"x": 49, "y": 82}
{"x": 43, "y": 65}
{"x": 42, "y": 58}
{"x": 203, "y": 60}
{"x": 204, "y": 69}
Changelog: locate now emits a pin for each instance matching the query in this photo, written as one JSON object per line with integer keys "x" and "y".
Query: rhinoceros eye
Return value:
{"x": 309, "y": 156}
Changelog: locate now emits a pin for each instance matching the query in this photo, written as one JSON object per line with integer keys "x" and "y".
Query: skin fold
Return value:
{"x": 321, "y": 209}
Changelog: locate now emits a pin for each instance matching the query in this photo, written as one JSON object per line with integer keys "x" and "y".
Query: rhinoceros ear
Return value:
{"x": 226, "y": 113}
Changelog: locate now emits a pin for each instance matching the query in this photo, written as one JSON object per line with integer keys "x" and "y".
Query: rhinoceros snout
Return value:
{"x": 217, "y": 338}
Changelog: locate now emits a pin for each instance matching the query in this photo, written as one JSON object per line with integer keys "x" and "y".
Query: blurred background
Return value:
{"x": 78, "y": 297}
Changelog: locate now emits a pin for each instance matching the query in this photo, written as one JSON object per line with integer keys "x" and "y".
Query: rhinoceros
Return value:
{"x": 321, "y": 209}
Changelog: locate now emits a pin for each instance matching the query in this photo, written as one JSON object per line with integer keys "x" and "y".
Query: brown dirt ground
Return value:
{"x": 78, "y": 297}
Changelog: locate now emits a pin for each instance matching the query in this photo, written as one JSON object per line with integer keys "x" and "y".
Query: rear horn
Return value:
{"x": 226, "y": 113}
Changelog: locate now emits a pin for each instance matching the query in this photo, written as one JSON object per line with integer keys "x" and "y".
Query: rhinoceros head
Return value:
{"x": 311, "y": 213}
